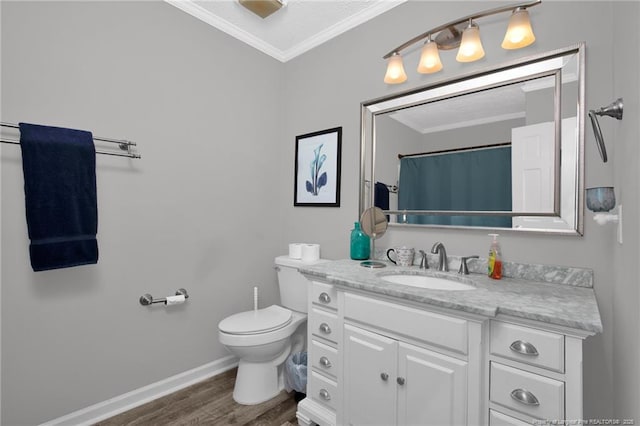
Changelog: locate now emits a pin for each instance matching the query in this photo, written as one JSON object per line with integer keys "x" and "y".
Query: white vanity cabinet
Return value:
{"x": 390, "y": 382}
{"x": 324, "y": 339}
{"x": 375, "y": 359}
{"x": 535, "y": 373}
{"x": 390, "y": 363}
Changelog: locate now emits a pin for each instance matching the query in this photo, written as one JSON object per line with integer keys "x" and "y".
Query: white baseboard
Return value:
{"x": 119, "y": 404}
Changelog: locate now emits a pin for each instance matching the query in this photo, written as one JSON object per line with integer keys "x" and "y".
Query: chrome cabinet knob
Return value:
{"x": 324, "y": 327}
{"x": 400, "y": 380}
{"x": 324, "y": 394}
{"x": 324, "y": 361}
{"x": 384, "y": 376}
{"x": 524, "y": 397}
{"x": 524, "y": 348}
{"x": 324, "y": 298}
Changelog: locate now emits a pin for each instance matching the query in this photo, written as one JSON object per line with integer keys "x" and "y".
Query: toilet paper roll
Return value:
{"x": 175, "y": 300}
{"x": 310, "y": 252}
{"x": 295, "y": 250}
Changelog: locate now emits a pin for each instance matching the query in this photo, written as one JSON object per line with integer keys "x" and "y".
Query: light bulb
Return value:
{"x": 430, "y": 58}
{"x": 471, "y": 46}
{"x": 395, "y": 70}
{"x": 519, "y": 33}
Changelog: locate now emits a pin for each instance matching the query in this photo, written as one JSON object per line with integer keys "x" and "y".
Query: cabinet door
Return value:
{"x": 369, "y": 378}
{"x": 434, "y": 391}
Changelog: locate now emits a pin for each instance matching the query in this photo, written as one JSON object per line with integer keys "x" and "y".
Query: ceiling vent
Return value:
{"x": 263, "y": 8}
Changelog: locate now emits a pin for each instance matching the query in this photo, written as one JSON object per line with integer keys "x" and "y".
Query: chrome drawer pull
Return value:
{"x": 324, "y": 327}
{"x": 324, "y": 394}
{"x": 324, "y": 361}
{"x": 524, "y": 348}
{"x": 384, "y": 376}
{"x": 524, "y": 397}
{"x": 324, "y": 298}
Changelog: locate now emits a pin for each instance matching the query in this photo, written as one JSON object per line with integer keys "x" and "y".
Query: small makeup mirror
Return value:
{"x": 373, "y": 223}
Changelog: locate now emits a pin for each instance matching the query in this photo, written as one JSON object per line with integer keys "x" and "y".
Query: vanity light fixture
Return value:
{"x": 429, "y": 58}
{"x": 470, "y": 46}
{"x": 463, "y": 34}
{"x": 395, "y": 71}
{"x": 519, "y": 33}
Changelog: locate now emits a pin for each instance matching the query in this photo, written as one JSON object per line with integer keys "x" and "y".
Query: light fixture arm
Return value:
{"x": 477, "y": 15}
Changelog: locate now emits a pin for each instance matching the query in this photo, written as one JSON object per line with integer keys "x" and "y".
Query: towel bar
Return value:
{"x": 124, "y": 145}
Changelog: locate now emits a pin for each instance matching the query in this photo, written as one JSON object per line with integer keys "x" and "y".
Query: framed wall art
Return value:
{"x": 317, "y": 169}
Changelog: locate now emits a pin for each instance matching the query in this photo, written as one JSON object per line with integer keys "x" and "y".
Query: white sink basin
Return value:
{"x": 424, "y": 281}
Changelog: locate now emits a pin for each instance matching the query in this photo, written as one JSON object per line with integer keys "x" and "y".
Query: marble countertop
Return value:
{"x": 573, "y": 306}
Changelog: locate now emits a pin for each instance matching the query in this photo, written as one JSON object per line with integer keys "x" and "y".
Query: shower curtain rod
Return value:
{"x": 124, "y": 145}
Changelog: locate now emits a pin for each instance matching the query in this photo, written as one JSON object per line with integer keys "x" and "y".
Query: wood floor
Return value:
{"x": 209, "y": 402}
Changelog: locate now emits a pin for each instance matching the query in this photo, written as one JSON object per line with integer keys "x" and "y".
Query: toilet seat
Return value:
{"x": 263, "y": 320}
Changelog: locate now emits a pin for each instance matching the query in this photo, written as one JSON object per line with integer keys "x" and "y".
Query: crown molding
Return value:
{"x": 204, "y": 15}
{"x": 341, "y": 27}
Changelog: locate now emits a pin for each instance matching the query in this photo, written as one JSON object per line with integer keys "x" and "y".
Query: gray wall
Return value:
{"x": 189, "y": 214}
{"x": 621, "y": 138}
{"x": 333, "y": 97}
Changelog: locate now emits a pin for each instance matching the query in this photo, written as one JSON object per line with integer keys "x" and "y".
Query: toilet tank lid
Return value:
{"x": 285, "y": 260}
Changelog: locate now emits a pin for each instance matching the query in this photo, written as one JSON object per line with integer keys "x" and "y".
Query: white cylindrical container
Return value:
{"x": 295, "y": 250}
{"x": 310, "y": 253}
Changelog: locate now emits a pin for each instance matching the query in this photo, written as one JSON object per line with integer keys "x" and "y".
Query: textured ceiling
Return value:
{"x": 299, "y": 26}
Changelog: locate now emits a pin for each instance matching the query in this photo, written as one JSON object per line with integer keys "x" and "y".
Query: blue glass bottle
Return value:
{"x": 359, "y": 243}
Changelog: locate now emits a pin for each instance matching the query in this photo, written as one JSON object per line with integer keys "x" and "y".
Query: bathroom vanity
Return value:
{"x": 505, "y": 352}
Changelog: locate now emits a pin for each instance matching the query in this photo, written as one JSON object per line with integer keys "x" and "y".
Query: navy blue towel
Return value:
{"x": 59, "y": 167}
{"x": 381, "y": 196}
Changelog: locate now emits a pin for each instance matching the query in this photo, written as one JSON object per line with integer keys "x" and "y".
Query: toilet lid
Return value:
{"x": 253, "y": 322}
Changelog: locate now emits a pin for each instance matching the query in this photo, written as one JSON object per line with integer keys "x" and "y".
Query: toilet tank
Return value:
{"x": 293, "y": 285}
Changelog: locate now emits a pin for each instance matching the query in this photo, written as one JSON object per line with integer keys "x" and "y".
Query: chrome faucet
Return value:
{"x": 443, "y": 264}
{"x": 464, "y": 268}
{"x": 424, "y": 263}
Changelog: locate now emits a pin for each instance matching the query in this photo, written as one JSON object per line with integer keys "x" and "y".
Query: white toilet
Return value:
{"x": 263, "y": 339}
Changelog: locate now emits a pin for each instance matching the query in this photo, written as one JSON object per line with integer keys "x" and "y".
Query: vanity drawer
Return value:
{"x": 528, "y": 345}
{"x": 497, "y": 418}
{"x": 441, "y": 330}
{"x": 324, "y": 358}
{"x": 324, "y": 295}
{"x": 323, "y": 390}
{"x": 532, "y": 394}
{"x": 324, "y": 324}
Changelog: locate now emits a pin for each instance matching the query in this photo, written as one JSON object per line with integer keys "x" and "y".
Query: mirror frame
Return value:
{"x": 534, "y": 66}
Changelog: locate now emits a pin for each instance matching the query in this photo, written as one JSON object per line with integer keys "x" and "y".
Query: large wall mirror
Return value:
{"x": 501, "y": 149}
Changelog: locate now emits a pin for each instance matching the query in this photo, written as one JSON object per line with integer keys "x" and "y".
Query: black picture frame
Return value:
{"x": 317, "y": 169}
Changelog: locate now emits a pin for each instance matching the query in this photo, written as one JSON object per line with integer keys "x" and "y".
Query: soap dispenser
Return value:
{"x": 494, "y": 263}
{"x": 359, "y": 243}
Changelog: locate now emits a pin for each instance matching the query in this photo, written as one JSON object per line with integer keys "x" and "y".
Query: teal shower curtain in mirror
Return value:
{"x": 460, "y": 180}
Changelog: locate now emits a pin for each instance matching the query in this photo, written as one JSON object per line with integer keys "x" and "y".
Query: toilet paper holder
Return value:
{"x": 147, "y": 299}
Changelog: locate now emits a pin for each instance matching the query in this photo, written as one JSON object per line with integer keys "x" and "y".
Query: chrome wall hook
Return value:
{"x": 615, "y": 110}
